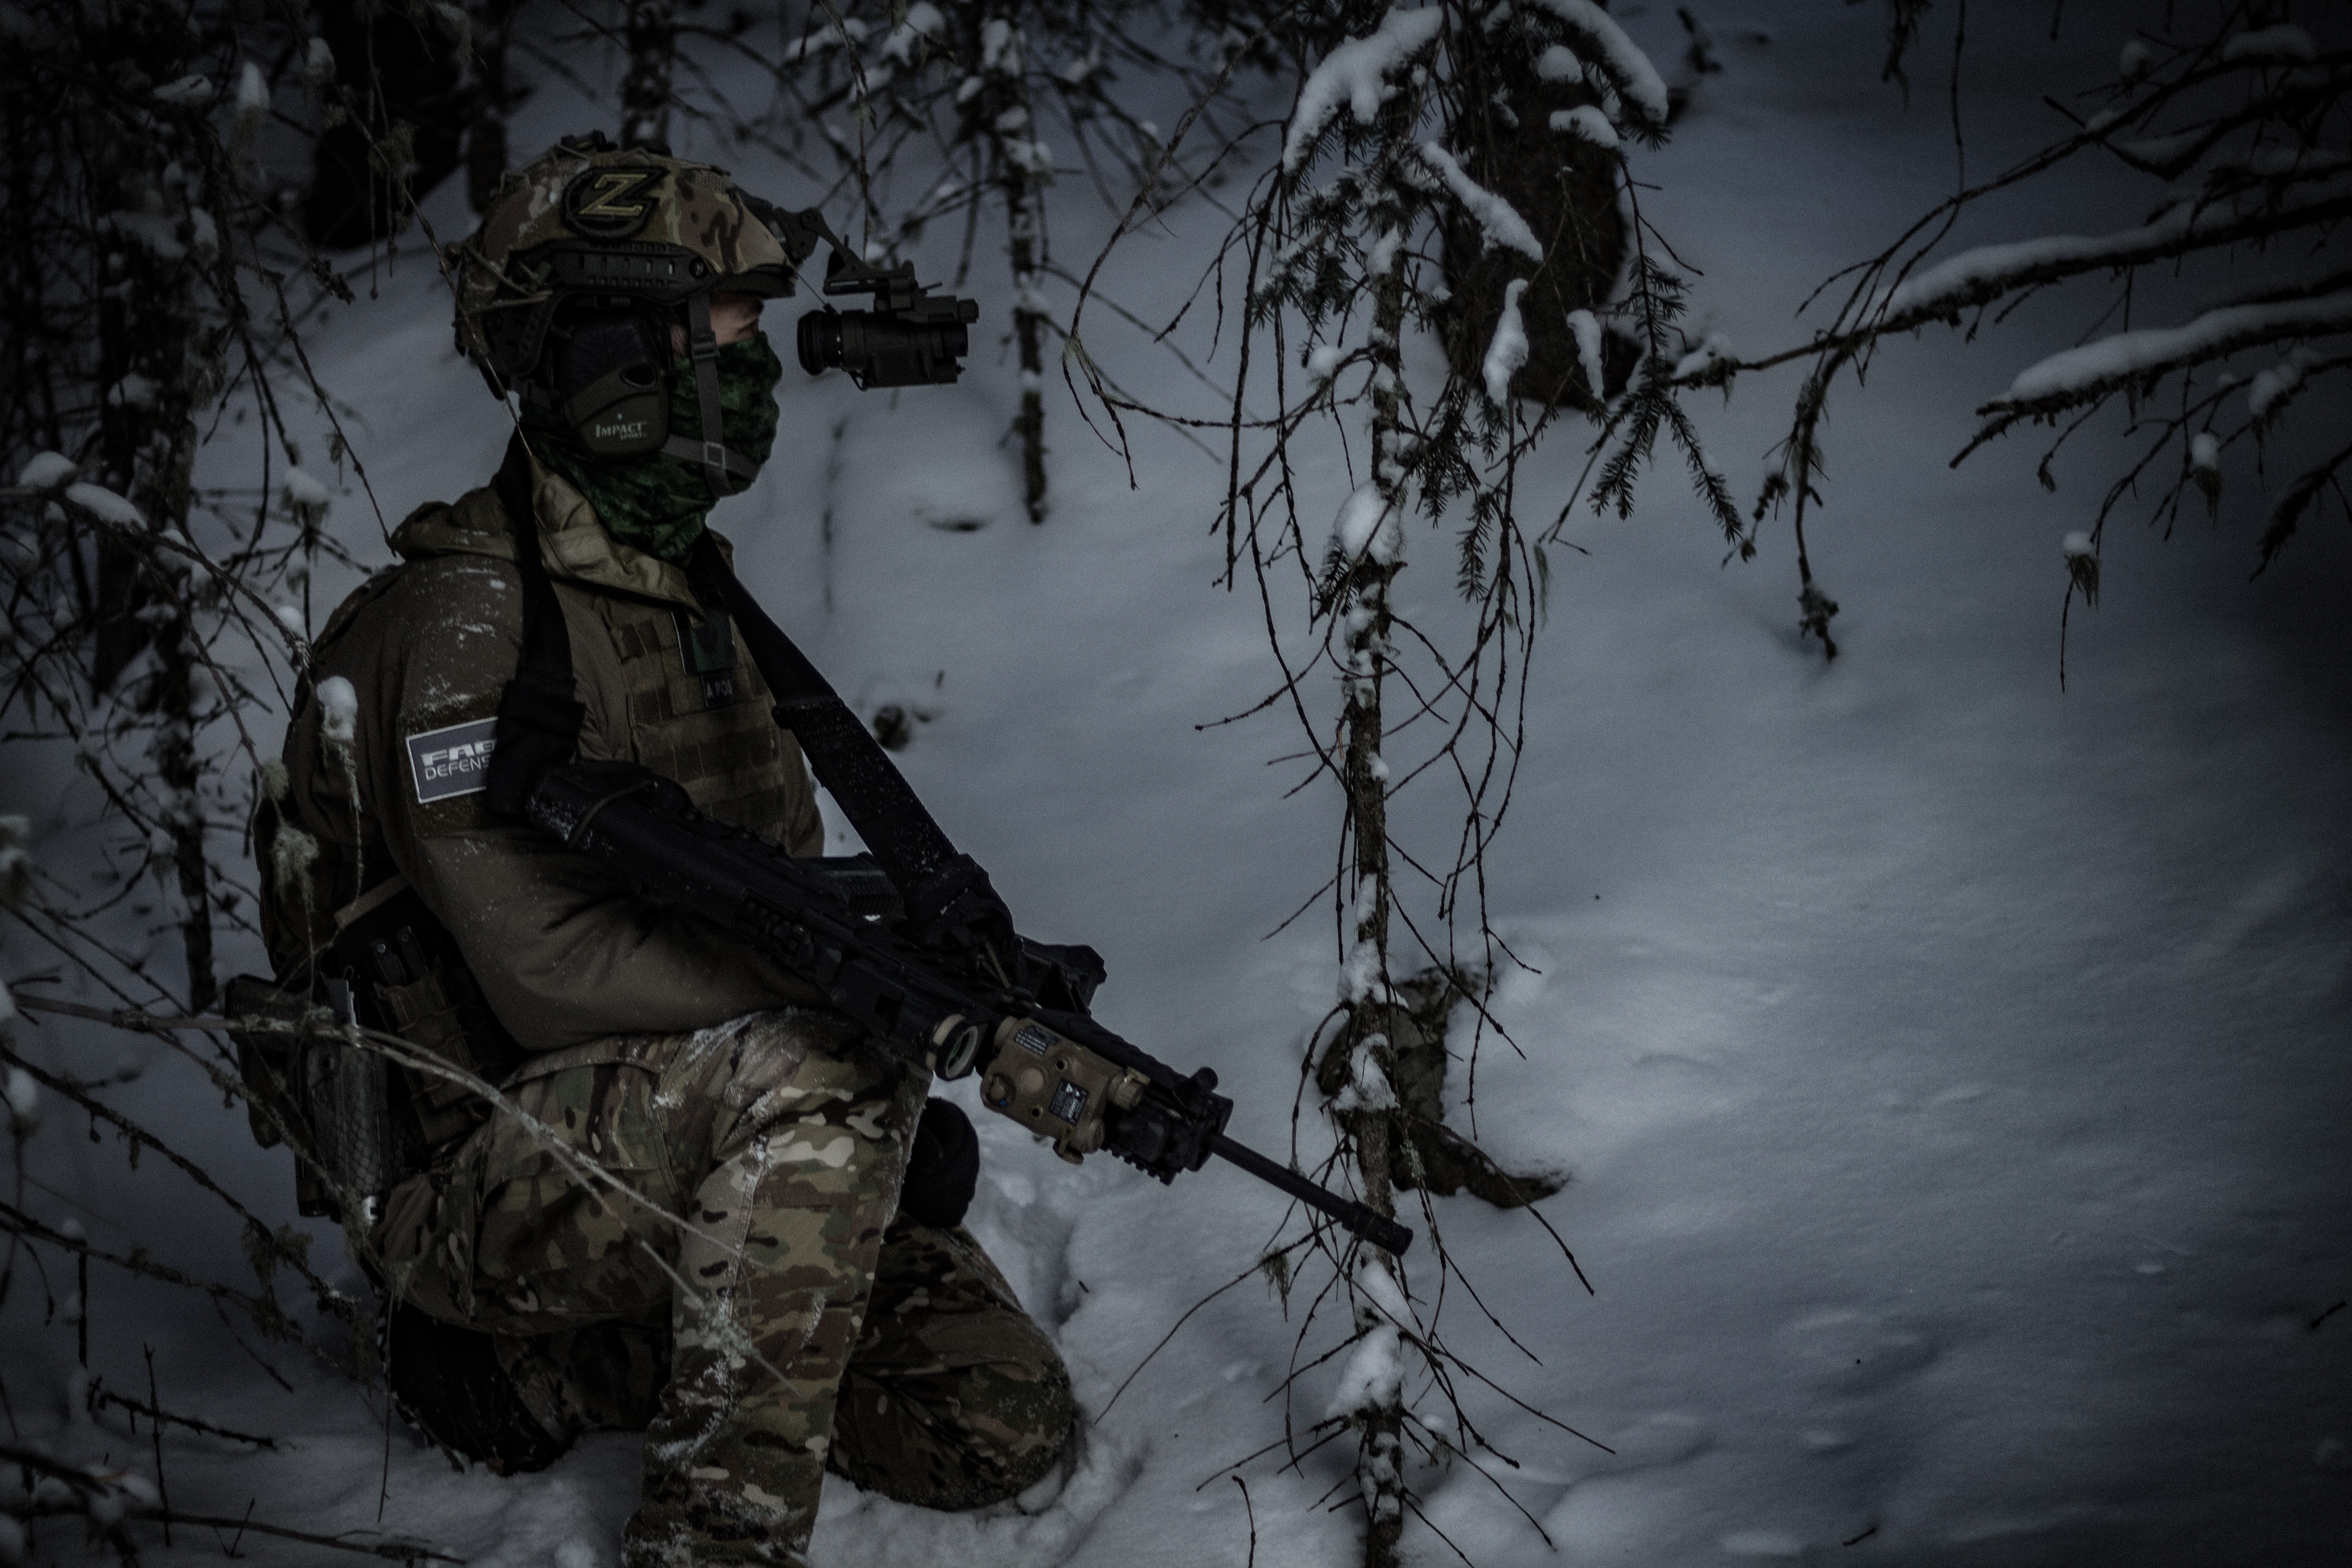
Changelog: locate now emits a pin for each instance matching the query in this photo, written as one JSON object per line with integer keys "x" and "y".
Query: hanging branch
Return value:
{"x": 1385, "y": 218}
{"x": 2245, "y": 129}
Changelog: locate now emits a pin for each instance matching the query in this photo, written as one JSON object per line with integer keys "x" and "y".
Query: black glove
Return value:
{"x": 942, "y": 1169}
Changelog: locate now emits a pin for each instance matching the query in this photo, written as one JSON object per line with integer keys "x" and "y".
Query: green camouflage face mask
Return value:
{"x": 656, "y": 503}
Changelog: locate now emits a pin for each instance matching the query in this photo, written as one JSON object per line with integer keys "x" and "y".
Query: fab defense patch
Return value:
{"x": 452, "y": 761}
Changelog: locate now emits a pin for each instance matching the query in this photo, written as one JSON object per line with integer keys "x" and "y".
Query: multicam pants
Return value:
{"x": 788, "y": 1323}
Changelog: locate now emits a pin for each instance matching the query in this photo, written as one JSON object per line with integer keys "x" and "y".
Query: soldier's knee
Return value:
{"x": 957, "y": 1438}
{"x": 1028, "y": 1425}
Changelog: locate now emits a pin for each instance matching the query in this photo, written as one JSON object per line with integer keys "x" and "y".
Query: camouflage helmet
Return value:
{"x": 565, "y": 290}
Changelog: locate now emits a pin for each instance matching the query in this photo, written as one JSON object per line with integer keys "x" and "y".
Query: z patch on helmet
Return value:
{"x": 608, "y": 202}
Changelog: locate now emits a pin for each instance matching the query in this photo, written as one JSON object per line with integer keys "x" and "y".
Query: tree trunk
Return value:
{"x": 1025, "y": 210}
{"x": 179, "y": 773}
{"x": 1000, "y": 115}
{"x": 154, "y": 363}
{"x": 1364, "y": 775}
{"x": 651, "y": 34}
{"x": 402, "y": 138}
{"x": 486, "y": 135}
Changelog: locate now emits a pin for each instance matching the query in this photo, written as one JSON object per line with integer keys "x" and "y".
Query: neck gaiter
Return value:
{"x": 656, "y": 503}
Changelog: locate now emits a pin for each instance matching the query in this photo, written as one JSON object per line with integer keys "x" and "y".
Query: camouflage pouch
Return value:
{"x": 358, "y": 1123}
{"x": 264, "y": 1057}
{"x": 409, "y": 978}
{"x": 327, "y": 1098}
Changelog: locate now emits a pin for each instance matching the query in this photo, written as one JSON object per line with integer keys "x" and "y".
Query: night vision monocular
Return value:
{"x": 910, "y": 337}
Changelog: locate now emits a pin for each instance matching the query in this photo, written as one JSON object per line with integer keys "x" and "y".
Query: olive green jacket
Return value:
{"x": 563, "y": 950}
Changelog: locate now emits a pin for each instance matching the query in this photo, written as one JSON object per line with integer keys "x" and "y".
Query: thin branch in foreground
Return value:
{"x": 101, "y": 1398}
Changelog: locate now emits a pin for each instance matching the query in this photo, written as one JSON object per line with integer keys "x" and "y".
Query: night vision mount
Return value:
{"x": 910, "y": 337}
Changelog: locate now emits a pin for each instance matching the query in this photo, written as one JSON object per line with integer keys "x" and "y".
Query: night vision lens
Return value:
{"x": 881, "y": 348}
{"x": 820, "y": 341}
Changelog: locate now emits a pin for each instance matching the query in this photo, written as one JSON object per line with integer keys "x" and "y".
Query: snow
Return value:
{"x": 24, "y": 1097}
{"x": 1032, "y": 158}
{"x": 1959, "y": 279}
{"x": 1367, "y": 525}
{"x": 2280, "y": 381}
{"x": 252, "y": 92}
{"x": 1356, "y": 75}
{"x": 1367, "y": 1086}
{"x": 923, "y": 21}
{"x": 1585, "y": 326}
{"x": 1373, "y": 1375}
{"x": 1627, "y": 67}
{"x": 2283, "y": 43}
{"x": 999, "y": 47}
{"x": 1949, "y": 1071}
{"x": 1586, "y": 121}
{"x": 154, "y": 230}
{"x": 1507, "y": 350}
{"x": 104, "y": 505}
{"x": 186, "y": 92}
{"x": 1498, "y": 221}
{"x": 1713, "y": 350}
{"x": 338, "y": 709}
{"x": 2214, "y": 334}
{"x": 1559, "y": 63}
{"x": 304, "y": 494}
{"x": 47, "y": 471}
{"x": 836, "y": 31}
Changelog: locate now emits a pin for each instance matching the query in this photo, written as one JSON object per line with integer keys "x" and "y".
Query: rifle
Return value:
{"x": 1019, "y": 1017}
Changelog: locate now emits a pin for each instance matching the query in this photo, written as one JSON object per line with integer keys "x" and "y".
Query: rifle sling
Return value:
{"x": 847, "y": 760}
{"x": 539, "y": 714}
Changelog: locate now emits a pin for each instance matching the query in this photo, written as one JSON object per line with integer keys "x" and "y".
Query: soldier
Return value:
{"x": 763, "y": 1298}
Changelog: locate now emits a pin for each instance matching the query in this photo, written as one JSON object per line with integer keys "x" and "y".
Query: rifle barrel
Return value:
{"x": 1373, "y": 1227}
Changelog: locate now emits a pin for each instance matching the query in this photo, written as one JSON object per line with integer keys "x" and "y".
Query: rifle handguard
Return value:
{"x": 1054, "y": 1071}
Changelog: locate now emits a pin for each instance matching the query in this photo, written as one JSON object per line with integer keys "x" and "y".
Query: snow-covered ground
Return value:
{"x": 1951, "y": 1073}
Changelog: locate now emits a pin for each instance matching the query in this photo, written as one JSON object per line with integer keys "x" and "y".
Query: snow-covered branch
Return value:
{"x": 2269, "y": 173}
{"x": 2113, "y": 363}
{"x": 1995, "y": 271}
{"x": 1360, "y": 75}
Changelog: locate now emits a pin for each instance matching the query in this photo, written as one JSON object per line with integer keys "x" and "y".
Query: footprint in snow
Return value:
{"x": 1850, "y": 1354}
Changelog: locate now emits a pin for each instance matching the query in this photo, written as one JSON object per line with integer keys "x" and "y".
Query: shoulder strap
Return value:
{"x": 947, "y": 897}
{"x": 539, "y": 714}
{"x": 949, "y": 900}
